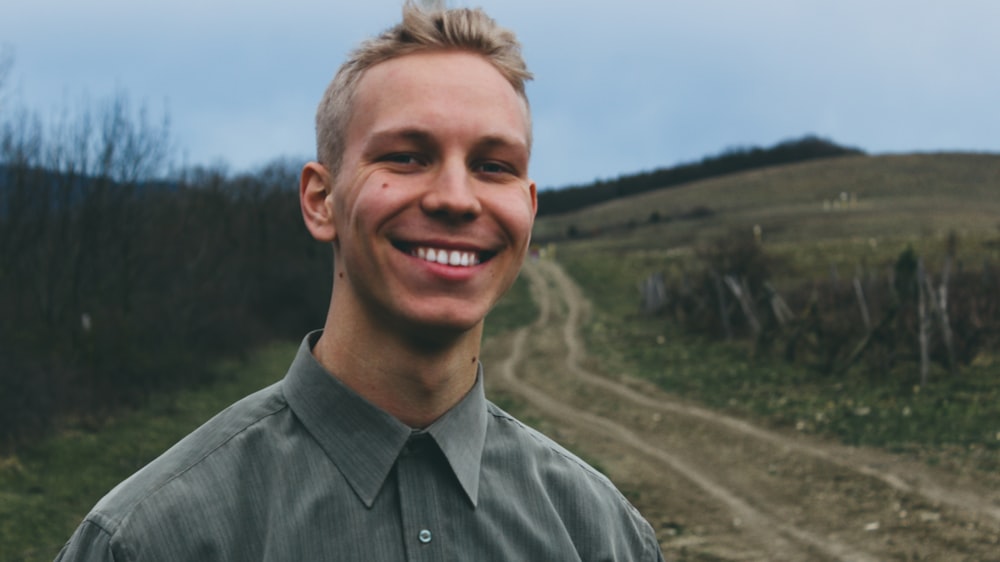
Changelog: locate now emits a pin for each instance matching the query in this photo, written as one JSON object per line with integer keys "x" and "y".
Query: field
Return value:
{"x": 917, "y": 196}
{"x": 890, "y": 203}
{"x": 838, "y": 212}
{"x": 815, "y": 221}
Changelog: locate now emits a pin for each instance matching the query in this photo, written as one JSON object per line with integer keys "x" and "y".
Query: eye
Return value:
{"x": 493, "y": 167}
{"x": 403, "y": 159}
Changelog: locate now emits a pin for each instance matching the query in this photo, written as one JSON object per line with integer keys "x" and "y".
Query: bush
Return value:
{"x": 820, "y": 323}
{"x": 117, "y": 281}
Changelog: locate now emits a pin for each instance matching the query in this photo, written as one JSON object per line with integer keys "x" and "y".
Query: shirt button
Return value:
{"x": 424, "y": 536}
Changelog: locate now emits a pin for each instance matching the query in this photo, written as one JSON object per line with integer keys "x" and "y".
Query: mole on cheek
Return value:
{"x": 341, "y": 275}
{"x": 385, "y": 186}
{"x": 473, "y": 359}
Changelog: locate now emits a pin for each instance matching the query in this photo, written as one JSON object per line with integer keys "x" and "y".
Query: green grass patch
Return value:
{"x": 47, "y": 489}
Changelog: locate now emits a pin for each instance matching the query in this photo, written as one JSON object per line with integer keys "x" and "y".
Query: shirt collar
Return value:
{"x": 461, "y": 435}
{"x": 363, "y": 440}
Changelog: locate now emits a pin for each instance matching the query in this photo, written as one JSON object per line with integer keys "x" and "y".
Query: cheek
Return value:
{"x": 376, "y": 204}
{"x": 378, "y": 198}
{"x": 516, "y": 215}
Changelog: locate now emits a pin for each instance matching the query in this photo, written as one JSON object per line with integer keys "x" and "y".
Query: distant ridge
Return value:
{"x": 557, "y": 201}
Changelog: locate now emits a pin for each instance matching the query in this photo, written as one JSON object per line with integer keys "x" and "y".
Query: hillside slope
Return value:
{"x": 899, "y": 196}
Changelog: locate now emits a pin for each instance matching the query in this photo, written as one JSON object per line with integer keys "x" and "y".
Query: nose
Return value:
{"x": 452, "y": 195}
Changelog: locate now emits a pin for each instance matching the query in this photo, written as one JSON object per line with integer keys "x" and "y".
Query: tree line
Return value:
{"x": 122, "y": 276}
{"x": 574, "y": 197}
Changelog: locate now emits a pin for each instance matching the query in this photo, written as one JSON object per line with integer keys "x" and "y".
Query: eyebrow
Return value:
{"x": 416, "y": 135}
{"x": 426, "y": 138}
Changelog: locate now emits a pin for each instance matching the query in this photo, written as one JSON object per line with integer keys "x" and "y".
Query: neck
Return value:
{"x": 413, "y": 379}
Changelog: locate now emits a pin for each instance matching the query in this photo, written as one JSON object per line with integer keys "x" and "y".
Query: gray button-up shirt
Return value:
{"x": 306, "y": 469}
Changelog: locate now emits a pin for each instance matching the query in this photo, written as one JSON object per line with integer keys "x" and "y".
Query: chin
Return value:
{"x": 441, "y": 337}
{"x": 445, "y": 314}
{"x": 445, "y": 329}
{"x": 457, "y": 326}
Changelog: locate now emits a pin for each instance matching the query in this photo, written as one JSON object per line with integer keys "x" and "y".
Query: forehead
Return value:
{"x": 449, "y": 91}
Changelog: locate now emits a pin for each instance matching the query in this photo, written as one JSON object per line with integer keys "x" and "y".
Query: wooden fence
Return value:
{"x": 904, "y": 312}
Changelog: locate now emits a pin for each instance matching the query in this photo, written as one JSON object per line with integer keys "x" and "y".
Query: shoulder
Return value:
{"x": 197, "y": 464}
{"x": 589, "y": 505}
{"x": 513, "y": 437}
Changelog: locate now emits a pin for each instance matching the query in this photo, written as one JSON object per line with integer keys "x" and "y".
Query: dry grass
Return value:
{"x": 896, "y": 200}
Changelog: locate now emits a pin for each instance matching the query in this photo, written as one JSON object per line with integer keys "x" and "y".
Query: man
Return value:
{"x": 379, "y": 445}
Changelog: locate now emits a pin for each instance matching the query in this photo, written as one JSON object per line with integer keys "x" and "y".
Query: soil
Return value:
{"x": 719, "y": 488}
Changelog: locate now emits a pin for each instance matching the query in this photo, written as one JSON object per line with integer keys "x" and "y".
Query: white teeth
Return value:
{"x": 454, "y": 258}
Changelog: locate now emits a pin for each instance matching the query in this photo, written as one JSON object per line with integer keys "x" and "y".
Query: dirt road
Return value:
{"x": 719, "y": 488}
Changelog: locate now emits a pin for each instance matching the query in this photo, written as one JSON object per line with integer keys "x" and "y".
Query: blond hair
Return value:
{"x": 422, "y": 30}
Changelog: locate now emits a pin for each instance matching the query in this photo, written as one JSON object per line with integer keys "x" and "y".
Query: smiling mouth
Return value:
{"x": 444, "y": 256}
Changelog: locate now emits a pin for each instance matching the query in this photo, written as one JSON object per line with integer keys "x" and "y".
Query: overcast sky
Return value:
{"x": 619, "y": 86}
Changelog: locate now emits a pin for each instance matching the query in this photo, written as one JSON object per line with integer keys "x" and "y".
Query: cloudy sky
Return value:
{"x": 620, "y": 86}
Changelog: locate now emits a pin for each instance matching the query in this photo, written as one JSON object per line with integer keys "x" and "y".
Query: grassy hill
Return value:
{"x": 893, "y": 200}
{"x": 730, "y": 161}
{"x": 852, "y": 215}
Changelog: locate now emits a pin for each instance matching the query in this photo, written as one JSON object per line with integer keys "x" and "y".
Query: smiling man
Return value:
{"x": 379, "y": 444}
{"x": 429, "y": 209}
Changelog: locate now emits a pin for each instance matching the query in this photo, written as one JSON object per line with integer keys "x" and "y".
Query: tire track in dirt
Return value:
{"x": 775, "y": 528}
{"x": 752, "y": 518}
{"x": 842, "y": 456}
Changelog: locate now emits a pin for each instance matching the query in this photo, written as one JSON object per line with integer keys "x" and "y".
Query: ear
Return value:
{"x": 316, "y": 200}
{"x": 533, "y": 190}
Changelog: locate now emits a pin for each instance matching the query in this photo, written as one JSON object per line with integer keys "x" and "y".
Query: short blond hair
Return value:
{"x": 422, "y": 30}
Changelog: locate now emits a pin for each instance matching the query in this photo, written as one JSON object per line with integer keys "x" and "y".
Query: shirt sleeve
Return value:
{"x": 651, "y": 546}
{"x": 657, "y": 553}
{"x": 90, "y": 543}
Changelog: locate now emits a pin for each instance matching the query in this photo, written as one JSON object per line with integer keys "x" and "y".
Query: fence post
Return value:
{"x": 721, "y": 294}
{"x": 942, "y": 309}
{"x": 743, "y": 297}
{"x": 860, "y": 293}
{"x": 924, "y": 322}
{"x": 778, "y": 305}
{"x": 653, "y": 293}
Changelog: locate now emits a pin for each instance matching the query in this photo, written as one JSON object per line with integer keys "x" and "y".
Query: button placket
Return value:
{"x": 418, "y": 490}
